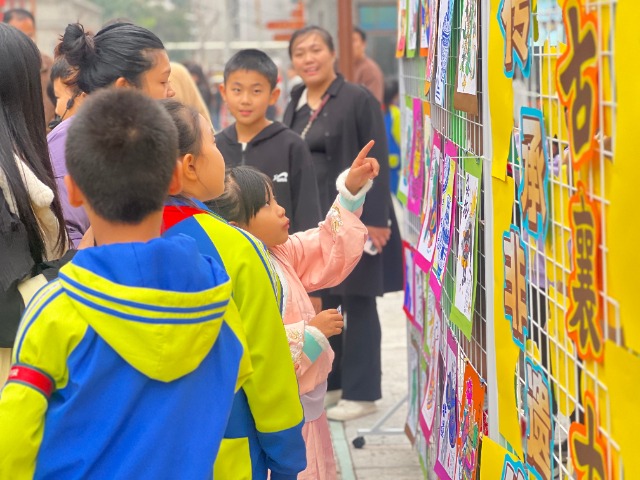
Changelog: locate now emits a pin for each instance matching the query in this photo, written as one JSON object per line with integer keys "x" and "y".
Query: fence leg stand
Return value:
{"x": 375, "y": 429}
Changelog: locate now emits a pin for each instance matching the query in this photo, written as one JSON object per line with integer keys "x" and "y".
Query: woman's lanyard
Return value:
{"x": 314, "y": 115}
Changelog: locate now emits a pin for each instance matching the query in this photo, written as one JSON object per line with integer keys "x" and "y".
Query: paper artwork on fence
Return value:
{"x": 539, "y": 454}
{"x": 430, "y": 323}
{"x": 583, "y": 316}
{"x": 471, "y": 421}
{"x": 448, "y": 434}
{"x": 515, "y": 260}
{"x": 515, "y": 20}
{"x": 444, "y": 42}
{"x": 430, "y": 404}
{"x": 498, "y": 464}
{"x": 468, "y": 54}
{"x": 401, "y": 42}
{"x": 587, "y": 446}
{"x": 462, "y": 311}
{"x": 417, "y": 161}
{"x": 409, "y": 277}
{"x": 447, "y": 213}
{"x": 419, "y": 299}
{"x": 533, "y": 192}
{"x": 411, "y": 427}
{"x": 406, "y": 149}
{"x": 424, "y": 28}
{"x": 577, "y": 81}
{"x": 412, "y": 27}
{"x": 433, "y": 28}
{"x": 428, "y": 234}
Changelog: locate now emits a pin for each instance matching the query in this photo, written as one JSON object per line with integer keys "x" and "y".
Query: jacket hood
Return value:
{"x": 231, "y": 135}
{"x": 159, "y": 305}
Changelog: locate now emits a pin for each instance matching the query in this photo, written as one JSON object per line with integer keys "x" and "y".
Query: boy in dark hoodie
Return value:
{"x": 249, "y": 88}
{"x": 125, "y": 366}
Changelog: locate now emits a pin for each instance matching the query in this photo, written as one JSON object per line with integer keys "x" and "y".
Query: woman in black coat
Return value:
{"x": 337, "y": 118}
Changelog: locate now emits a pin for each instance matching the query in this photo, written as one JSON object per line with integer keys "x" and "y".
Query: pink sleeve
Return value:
{"x": 323, "y": 257}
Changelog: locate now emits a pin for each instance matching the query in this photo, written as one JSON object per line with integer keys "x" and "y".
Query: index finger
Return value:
{"x": 365, "y": 150}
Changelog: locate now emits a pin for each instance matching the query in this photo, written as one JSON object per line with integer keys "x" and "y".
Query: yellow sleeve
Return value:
{"x": 232, "y": 317}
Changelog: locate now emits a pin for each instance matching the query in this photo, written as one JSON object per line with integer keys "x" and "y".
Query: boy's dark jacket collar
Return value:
{"x": 231, "y": 135}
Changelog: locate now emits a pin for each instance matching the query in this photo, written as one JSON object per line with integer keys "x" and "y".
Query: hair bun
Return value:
{"x": 77, "y": 46}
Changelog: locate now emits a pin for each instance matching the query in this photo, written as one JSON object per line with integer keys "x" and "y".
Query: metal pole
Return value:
{"x": 345, "y": 31}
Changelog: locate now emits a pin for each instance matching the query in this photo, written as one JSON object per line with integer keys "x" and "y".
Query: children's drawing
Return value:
{"x": 427, "y": 241}
{"x": 471, "y": 419}
{"x": 577, "y": 80}
{"x": 409, "y": 290}
{"x": 412, "y": 27}
{"x": 411, "y": 427}
{"x": 444, "y": 42}
{"x": 417, "y": 167}
{"x": 448, "y": 434}
{"x": 468, "y": 54}
{"x": 406, "y": 150}
{"x": 587, "y": 446}
{"x": 583, "y": 316}
{"x": 447, "y": 212}
{"x": 429, "y": 406}
{"x": 534, "y": 187}
{"x": 433, "y": 27}
{"x": 515, "y": 285}
{"x": 401, "y": 42}
{"x": 461, "y": 314}
{"x": 419, "y": 299}
{"x": 514, "y": 17}
{"x": 430, "y": 323}
{"x": 424, "y": 28}
{"x": 539, "y": 422}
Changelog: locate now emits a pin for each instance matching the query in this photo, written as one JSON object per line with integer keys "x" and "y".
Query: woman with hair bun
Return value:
{"x": 30, "y": 213}
{"x": 120, "y": 55}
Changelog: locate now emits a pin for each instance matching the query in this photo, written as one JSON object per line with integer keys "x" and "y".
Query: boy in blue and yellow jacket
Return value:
{"x": 126, "y": 366}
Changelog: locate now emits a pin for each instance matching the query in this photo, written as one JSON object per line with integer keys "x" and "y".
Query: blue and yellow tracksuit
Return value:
{"x": 265, "y": 427}
{"x": 125, "y": 366}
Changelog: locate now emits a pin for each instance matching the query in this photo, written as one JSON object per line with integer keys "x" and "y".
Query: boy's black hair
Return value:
{"x": 304, "y": 31}
{"x": 253, "y": 60}
{"x": 246, "y": 191}
{"x": 187, "y": 122}
{"x": 118, "y": 50}
{"x": 18, "y": 14}
{"x": 121, "y": 151}
{"x": 362, "y": 33}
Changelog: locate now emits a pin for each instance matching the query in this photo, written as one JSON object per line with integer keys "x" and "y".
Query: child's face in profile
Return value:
{"x": 248, "y": 95}
{"x": 209, "y": 166}
{"x": 270, "y": 225}
{"x": 155, "y": 81}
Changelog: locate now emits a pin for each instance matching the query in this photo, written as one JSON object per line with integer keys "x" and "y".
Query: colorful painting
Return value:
{"x": 468, "y": 54}
{"x": 428, "y": 234}
{"x": 583, "y": 317}
{"x": 447, "y": 213}
{"x": 417, "y": 159}
{"x": 464, "y": 298}
{"x": 514, "y": 18}
{"x": 419, "y": 299}
{"x": 471, "y": 423}
{"x": 539, "y": 422}
{"x": 424, "y": 28}
{"x": 409, "y": 288}
{"x": 587, "y": 446}
{"x": 515, "y": 285}
{"x": 577, "y": 81}
{"x": 448, "y": 434}
{"x": 406, "y": 149}
{"x": 444, "y": 42}
{"x": 534, "y": 187}
{"x": 430, "y": 404}
{"x": 433, "y": 28}
{"x": 412, "y": 26}
{"x": 411, "y": 427}
{"x": 401, "y": 42}
{"x": 430, "y": 323}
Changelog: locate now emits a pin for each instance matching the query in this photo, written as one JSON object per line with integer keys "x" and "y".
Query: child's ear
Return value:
{"x": 275, "y": 95}
{"x": 175, "y": 186}
{"x": 122, "y": 82}
{"x": 188, "y": 166}
{"x": 74, "y": 194}
{"x": 223, "y": 91}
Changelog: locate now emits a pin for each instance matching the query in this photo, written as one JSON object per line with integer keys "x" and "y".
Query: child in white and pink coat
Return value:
{"x": 318, "y": 258}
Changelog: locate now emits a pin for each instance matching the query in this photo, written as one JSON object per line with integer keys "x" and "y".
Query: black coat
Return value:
{"x": 350, "y": 119}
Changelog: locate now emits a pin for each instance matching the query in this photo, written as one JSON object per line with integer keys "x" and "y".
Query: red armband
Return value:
{"x": 33, "y": 378}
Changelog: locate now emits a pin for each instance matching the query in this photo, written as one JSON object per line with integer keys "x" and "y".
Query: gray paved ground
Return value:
{"x": 383, "y": 457}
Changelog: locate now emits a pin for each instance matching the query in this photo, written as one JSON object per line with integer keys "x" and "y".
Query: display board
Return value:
{"x": 516, "y": 188}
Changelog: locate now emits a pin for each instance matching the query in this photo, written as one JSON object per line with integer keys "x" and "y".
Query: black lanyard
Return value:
{"x": 315, "y": 114}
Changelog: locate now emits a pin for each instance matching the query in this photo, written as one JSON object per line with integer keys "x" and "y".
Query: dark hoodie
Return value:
{"x": 284, "y": 157}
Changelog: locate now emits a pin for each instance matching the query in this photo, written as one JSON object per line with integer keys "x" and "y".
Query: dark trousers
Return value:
{"x": 357, "y": 367}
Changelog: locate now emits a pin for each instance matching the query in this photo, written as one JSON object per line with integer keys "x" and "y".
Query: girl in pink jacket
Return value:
{"x": 318, "y": 258}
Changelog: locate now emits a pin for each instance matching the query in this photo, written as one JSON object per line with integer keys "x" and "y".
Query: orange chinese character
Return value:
{"x": 515, "y": 285}
{"x": 583, "y": 316}
{"x": 540, "y": 431}
{"x": 534, "y": 187}
{"x": 577, "y": 80}
{"x": 514, "y": 17}
{"x": 587, "y": 447}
